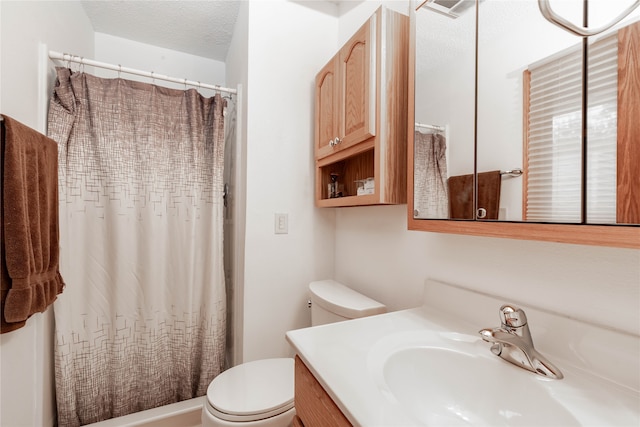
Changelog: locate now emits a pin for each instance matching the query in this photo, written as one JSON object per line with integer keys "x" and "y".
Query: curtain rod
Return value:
{"x": 432, "y": 127}
{"x": 80, "y": 60}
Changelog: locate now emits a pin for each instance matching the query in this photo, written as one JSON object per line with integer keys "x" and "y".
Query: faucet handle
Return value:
{"x": 512, "y": 316}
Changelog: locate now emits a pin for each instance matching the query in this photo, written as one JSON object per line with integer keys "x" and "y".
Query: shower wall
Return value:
{"x": 230, "y": 220}
{"x": 118, "y": 50}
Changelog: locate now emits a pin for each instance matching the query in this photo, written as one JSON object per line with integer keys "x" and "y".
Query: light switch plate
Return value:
{"x": 281, "y": 223}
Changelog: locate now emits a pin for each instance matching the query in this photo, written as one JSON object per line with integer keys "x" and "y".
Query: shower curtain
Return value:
{"x": 431, "y": 196}
{"x": 142, "y": 321}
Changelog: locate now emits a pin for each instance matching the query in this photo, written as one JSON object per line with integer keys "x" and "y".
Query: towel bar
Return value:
{"x": 513, "y": 172}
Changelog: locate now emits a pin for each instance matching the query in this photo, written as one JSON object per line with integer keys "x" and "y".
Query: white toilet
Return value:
{"x": 260, "y": 393}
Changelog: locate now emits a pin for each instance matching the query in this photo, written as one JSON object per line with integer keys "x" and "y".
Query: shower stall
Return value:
{"x": 147, "y": 182}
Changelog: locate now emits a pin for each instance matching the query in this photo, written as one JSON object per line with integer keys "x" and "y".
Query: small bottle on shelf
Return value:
{"x": 334, "y": 186}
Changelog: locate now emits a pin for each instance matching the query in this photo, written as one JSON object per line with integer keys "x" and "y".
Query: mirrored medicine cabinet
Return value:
{"x": 522, "y": 129}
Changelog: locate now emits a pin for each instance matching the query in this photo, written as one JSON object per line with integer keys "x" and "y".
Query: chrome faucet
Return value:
{"x": 512, "y": 341}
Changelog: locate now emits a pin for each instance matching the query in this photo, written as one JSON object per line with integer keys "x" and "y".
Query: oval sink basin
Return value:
{"x": 452, "y": 379}
{"x": 456, "y": 386}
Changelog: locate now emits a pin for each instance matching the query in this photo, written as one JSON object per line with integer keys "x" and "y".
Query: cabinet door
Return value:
{"x": 314, "y": 406}
{"x": 358, "y": 95}
{"x": 327, "y": 108}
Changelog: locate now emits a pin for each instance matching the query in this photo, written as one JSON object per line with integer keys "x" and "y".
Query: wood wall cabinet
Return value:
{"x": 314, "y": 407}
{"x": 361, "y": 112}
{"x": 326, "y": 108}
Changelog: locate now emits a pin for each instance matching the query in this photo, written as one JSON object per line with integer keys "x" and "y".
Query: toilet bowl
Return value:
{"x": 260, "y": 393}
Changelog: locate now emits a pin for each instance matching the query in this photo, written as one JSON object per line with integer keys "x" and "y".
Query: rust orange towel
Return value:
{"x": 31, "y": 278}
{"x": 461, "y": 195}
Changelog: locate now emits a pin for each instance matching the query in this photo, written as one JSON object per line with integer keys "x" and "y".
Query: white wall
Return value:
{"x": 376, "y": 255}
{"x": 146, "y": 57}
{"x": 288, "y": 43}
{"x": 26, "y": 355}
{"x": 355, "y": 13}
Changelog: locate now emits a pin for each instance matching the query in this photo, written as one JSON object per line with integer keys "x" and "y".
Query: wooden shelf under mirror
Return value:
{"x": 582, "y": 234}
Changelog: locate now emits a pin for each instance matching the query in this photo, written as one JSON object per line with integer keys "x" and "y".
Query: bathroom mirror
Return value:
{"x": 494, "y": 142}
{"x": 444, "y": 110}
{"x": 530, "y": 92}
{"x": 513, "y": 38}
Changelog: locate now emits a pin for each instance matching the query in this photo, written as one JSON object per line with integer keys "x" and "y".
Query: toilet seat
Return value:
{"x": 252, "y": 391}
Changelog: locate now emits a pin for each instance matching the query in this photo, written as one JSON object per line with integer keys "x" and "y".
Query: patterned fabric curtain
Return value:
{"x": 431, "y": 197}
{"x": 141, "y": 323}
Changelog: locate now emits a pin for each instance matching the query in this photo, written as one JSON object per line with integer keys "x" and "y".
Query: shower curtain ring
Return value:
{"x": 119, "y": 70}
{"x": 153, "y": 79}
{"x": 185, "y": 84}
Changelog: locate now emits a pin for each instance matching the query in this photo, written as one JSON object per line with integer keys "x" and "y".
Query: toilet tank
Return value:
{"x": 334, "y": 302}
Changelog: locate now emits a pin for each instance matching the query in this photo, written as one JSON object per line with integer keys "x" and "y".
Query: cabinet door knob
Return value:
{"x": 482, "y": 212}
{"x": 334, "y": 142}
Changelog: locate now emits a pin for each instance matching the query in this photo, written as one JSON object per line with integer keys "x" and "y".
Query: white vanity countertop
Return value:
{"x": 338, "y": 356}
{"x": 347, "y": 357}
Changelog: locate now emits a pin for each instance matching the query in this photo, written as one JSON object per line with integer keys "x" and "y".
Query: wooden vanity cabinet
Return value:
{"x": 361, "y": 113}
{"x": 314, "y": 407}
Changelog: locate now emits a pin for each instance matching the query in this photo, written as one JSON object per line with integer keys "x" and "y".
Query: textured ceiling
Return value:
{"x": 202, "y": 28}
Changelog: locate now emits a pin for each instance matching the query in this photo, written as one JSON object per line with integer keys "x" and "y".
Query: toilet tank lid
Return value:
{"x": 343, "y": 301}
